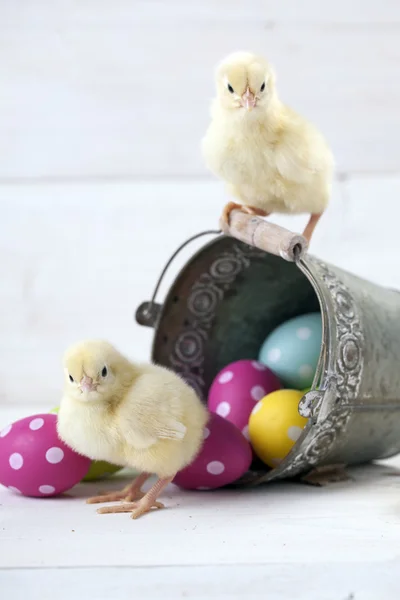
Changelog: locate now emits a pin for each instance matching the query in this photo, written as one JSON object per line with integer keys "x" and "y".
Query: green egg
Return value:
{"x": 292, "y": 350}
{"x": 99, "y": 469}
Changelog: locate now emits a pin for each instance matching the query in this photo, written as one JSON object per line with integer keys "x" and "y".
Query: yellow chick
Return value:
{"x": 141, "y": 416}
{"x": 273, "y": 160}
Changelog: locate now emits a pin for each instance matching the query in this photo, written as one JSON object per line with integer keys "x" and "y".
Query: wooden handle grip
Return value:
{"x": 265, "y": 236}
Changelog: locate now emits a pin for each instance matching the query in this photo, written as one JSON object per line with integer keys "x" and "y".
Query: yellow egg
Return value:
{"x": 275, "y": 425}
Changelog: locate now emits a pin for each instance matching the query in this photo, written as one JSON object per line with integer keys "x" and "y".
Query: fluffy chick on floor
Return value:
{"x": 137, "y": 415}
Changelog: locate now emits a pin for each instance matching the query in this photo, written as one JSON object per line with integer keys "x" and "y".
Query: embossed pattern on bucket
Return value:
{"x": 227, "y": 299}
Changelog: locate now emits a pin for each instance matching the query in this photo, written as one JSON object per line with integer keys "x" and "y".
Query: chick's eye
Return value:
{"x": 230, "y": 88}
{"x": 71, "y": 379}
{"x": 104, "y": 372}
{"x": 262, "y": 88}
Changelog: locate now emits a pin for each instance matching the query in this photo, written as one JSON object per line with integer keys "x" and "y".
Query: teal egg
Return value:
{"x": 292, "y": 350}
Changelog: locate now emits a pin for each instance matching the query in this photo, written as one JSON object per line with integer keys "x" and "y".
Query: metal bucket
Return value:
{"x": 230, "y": 295}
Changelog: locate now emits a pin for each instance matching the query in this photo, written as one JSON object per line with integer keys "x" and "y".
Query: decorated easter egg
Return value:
{"x": 292, "y": 350}
{"x": 224, "y": 457}
{"x": 275, "y": 425}
{"x": 99, "y": 469}
{"x": 237, "y": 388}
{"x": 35, "y": 462}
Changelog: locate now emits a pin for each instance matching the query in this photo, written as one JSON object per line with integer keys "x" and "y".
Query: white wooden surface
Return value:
{"x": 283, "y": 540}
{"x": 276, "y": 582}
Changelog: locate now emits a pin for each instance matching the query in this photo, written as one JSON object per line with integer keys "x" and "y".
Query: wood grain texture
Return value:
{"x": 282, "y": 527}
{"x": 356, "y": 12}
{"x": 98, "y": 89}
{"x": 340, "y": 581}
{"x": 276, "y": 524}
{"x": 337, "y": 543}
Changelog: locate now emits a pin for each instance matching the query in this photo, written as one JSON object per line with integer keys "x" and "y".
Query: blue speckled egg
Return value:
{"x": 292, "y": 350}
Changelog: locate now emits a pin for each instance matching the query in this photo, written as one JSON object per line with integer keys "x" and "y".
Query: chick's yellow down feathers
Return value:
{"x": 272, "y": 159}
{"x": 138, "y": 415}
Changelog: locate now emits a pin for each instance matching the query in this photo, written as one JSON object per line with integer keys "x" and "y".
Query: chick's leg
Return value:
{"x": 144, "y": 505}
{"x": 311, "y": 225}
{"x": 131, "y": 492}
{"x": 250, "y": 210}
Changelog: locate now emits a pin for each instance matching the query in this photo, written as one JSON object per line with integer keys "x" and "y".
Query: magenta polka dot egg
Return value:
{"x": 225, "y": 456}
{"x": 35, "y": 462}
{"x": 237, "y": 388}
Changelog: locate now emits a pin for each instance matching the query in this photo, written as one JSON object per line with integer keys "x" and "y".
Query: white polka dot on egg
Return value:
{"x": 206, "y": 433}
{"x": 5, "y": 431}
{"x": 225, "y": 377}
{"x": 258, "y": 366}
{"x": 256, "y": 408}
{"x": 16, "y": 461}
{"x": 36, "y": 424}
{"x": 47, "y": 489}
{"x": 294, "y": 433}
{"x": 306, "y": 371}
{"x": 257, "y": 392}
{"x": 215, "y": 467}
{"x": 304, "y": 333}
{"x": 223, "y": 409}
{"x": 54, "y": 455}
{"x": 274, "y": 355}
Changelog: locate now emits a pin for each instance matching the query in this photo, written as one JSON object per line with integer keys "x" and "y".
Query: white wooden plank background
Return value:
{"x": 356, "y": 12}
{"x": 102, "y": 108}
{"x": 77, "y": 80}
{"x": 122, "y": 89}
{"x": 77, "y": 260}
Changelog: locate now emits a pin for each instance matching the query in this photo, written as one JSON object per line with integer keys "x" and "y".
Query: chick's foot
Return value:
{"x": 228, "y": 208}
{"x": 130, "y": 493}
{"x": 250, "y": 210}
{"x": 136, "y": 508}
{"x": 311, "y": 225}
{"x": 144, "y": 505}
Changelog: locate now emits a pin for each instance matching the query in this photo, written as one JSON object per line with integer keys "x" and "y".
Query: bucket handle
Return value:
{"x": 265, "y": 236}
{"x": 147, "y": 313}
{"x": 246, "y": 228}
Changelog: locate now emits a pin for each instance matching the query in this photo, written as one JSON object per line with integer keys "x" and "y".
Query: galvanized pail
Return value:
{"x": 230, "y": 295}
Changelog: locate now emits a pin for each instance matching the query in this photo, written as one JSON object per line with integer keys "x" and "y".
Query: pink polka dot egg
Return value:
{"x": 237, "y": 388}
{"x": 224, "y": 457}
{"x": 35, "y": 462}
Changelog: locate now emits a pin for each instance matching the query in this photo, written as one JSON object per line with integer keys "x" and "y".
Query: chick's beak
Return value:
{"x": 87, "y": 384}
{"x": 249, "y": 101}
